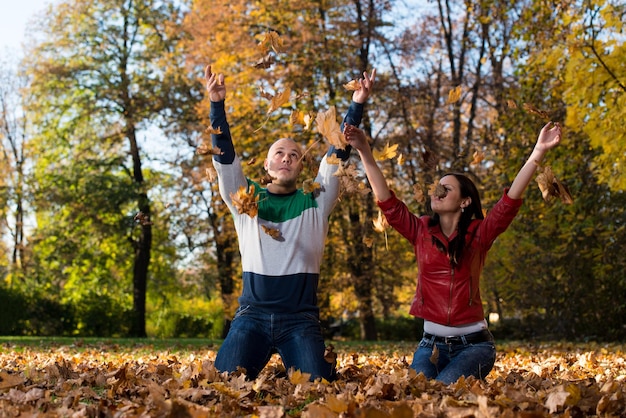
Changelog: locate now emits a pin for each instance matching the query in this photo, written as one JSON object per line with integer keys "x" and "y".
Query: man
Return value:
{"x": 281, "y": 248}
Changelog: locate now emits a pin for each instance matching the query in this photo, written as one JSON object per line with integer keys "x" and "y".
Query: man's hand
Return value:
{"x": 367, "y": 83}
{"x": 214, "y": 85}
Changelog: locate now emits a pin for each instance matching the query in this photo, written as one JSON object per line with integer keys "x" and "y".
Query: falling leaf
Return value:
{"x": 387, "y": 153}
{"x": 380, "y": 223}
{"x": 272, "y": 232}
{"x": 246, "y": 201}
{"x": 211, "y": 174}
{"x": 368, "y": 241}
{"x": 300, "y": 118}
{"x": 418, "y": 194}
{"x": 477, "y": 157}
{"x": 533, "y": 110}
{"x": 455, "y": 94}
{"x": 214, "y": 131}
{"x": 333, "y": 159}
{"x": 266, "y": 179}
{"x": 400, "y": 159}
{"x": 511, "y": 104}
{"x": 328, "y": 127}
{"x": 210, "y": 150}
{"x": 278, "y": 100}
{"x": 271, "y": 40}
{"x": 437, "y": 190}
{"x": 430, "y": 160}
{"x": 251, "y": 161}
{"x": 143, "y": 219}
{"x": 310, "y": 186}
{"x": 551, "y": 187}
{"x": 265, "y": 62}
{"x": 352, "y": 85}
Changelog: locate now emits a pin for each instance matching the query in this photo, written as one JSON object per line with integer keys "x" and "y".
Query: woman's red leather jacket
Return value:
{"x": 446, "y": 295}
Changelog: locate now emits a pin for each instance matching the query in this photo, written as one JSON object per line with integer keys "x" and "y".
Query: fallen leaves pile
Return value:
{"x": 106, "y": 380}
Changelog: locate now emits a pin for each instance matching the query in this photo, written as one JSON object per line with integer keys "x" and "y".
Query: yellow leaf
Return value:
{"x": 296, "y": 377}
{"x": 333, "y": 159}
{"x": 278, "y": 100}
{"x": 380, "y": 223}
{"x": 400, "y": 159}
{"x": 271, "y": 40}
{"x": 455, "y": 94}
{"x": 328, "y": 127}
{"x": 310, "y": 186}
{"x": 336, "y": 405}
{"x": 352, "y": 85}
{"x": 387, "y": 153}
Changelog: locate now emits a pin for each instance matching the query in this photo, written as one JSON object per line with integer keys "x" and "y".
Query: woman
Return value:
{"x": 450, "y": 250}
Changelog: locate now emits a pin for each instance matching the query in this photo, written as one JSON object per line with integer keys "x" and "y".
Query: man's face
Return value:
{"x": 283, "y": 162}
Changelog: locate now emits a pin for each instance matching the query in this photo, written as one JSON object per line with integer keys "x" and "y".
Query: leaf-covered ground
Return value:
{"x": 106, "y": 379}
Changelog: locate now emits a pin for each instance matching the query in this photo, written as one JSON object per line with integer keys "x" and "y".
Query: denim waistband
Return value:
{"x": 473, "y": 338}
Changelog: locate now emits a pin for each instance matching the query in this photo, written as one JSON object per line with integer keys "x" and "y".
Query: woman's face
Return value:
{"x": 451, "y": 201}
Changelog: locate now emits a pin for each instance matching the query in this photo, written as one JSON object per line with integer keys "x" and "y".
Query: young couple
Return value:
{"x": 278, "y": 310}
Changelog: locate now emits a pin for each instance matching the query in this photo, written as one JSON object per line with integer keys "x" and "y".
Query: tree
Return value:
{"x": 14, "y": 160}
{"x": 105, "y": 64}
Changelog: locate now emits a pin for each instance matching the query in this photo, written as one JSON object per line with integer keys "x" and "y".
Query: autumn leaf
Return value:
{"x": 533, "y": 110}
{"x": 434, "y": 356}
{"x": 551, "y": 187}
{"x": 208, "y": 150}
{"x": 142, "y": 219}
{"x": 271, "y": 40}
{"x": 272, "y": 232}
{"x": 278, "y": 100}
{"x": 387, "y": 153}
{"x": 455, "y": 94}
{"x": 214, "y": 131}
{"x": 368, "y": 241}
{"x": 310, "y": 186}
{"x": 328, "y": 127}
{"x": 352, "y": 85}
{"x": 265, "y": 62}
{"x": 437, "y": 190}
{"x": 400, "y": 159}
{"x": 418, "y": 194}
{"x": 511, "y": 104}
{"x": 296, "y": 377}
{"x": 246, "y": 201}
{"x": 300, "y": 118}
{"x": 333, "y": 159}
{"x": 251, "y": 161}
{"x": 211, "y": 174}
{"x": 381, "y": 225}
{"x": 430, "y": 159}
{"x": 477, "y": 157}
{"x": 266, "y": 179}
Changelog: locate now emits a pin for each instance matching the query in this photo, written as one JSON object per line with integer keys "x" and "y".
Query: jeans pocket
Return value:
{"x": 241, "y": 311}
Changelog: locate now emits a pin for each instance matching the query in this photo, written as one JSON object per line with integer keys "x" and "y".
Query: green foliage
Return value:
{"x": 187, "y": 317}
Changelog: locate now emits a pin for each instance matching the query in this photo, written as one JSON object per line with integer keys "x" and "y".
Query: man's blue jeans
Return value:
{"x": 254, "y": 336}
{"x": 455, "y": 359}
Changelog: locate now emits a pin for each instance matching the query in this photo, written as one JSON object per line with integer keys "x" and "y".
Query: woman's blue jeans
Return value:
{"x": 254, "y": 336}
{"x": 454, "y": 360}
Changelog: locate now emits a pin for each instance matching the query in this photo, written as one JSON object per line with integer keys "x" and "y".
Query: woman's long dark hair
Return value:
{"x": 473, "y": 211}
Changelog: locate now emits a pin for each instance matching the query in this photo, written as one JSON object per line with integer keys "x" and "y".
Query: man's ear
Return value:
{"x": 266, "y": 164}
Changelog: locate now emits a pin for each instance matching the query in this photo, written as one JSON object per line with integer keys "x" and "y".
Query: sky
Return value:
{"x": 14, "y": 18}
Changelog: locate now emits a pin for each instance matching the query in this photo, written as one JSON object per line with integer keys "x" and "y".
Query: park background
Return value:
{"x": 112, "y": 226}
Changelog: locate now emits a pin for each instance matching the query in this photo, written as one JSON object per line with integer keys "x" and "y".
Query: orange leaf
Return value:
{"x": 272, "y": 232}
{"x": 245, "y": 201}
{"x": 328, "y": 127}
{"x": 387, "y": 153}
{"x": 352, "y": 85}
{"x": 455, "y": 94}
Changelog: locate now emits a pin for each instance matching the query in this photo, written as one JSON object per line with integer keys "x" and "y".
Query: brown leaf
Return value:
{"x": 551, "y": 187}
{"x": 533, "y": 110}
{"x": 245, "y": 201}
{"x": 272, "y": 232}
